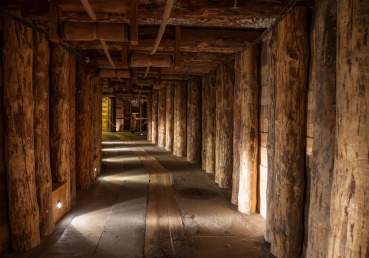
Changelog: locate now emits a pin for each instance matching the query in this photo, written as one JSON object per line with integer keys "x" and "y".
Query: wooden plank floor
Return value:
{"x": 149, "y": 203}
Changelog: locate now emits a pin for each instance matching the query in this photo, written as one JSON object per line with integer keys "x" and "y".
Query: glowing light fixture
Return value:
{"x": 95, "y": 169}
{"x": 58, "y": 205}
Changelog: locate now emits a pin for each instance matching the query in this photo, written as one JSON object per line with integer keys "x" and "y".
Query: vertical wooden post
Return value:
{"x": 224, "y": 126}
{"x": 83, "y": 129}
{"x": 99, "y": 127}
{"x": 194, "y": 121}
{"x": 154, "y": 123}
{"x": 350, "y": 196}
{"x": 161, "y": 117}
{"x": 180, "y": 119}
{"x": 41, "y": 62}
{"x": 169, "y": 126}
{"x": 96, "y": 128}
{"x": 149, "y": 117}
{"x": 289, "y": 150}
{"x": 72, "y": 128}
{"x": 248, "y": 151}
{"x": 19, "y": 136}
{"x": 324, "y": 127}
{"x": 59, "y": 138}
{"x": 113, "y": 115}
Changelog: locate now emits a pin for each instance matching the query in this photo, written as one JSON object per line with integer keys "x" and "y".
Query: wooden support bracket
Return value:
{"x": 133, "y": 34}
{"x": 125, "y": 55}
{"x": 159, "y": 75}
{"x": 54, "y": 21}
{"x": 177, "y": 56}
{"x": 94, "y": 63}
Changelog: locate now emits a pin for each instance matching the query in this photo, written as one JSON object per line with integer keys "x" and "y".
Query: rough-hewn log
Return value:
{"x": 41, "y": 62}
{"x": 154, "y": 123}
{"x": 208, "y": 120}
{"x": 83, "y": 127}
{"x": 72, "y": 128}
{"x": 88, "y": 31}
{"x": 290, "y": 113}
{"x": 169, "y": 123}
{"x": 114, "y": 73}
{"x": 350, "y": 196}
{"x": 224, "y": 126}
{"x": 96, "y": 118}
{"x": 149, "y": 118}
{"x": 194, "y": 121}
{"x": 143, "y": 81}
{"x": 19, "y": 136}
{"x": 324, "y": 127}
{"x": 161, "y": 117}
{"x": 180, "y": 119}
{"x": 249, "y": 131}
{"x": 151, "y": 60}
{"x": 59, "y": 137}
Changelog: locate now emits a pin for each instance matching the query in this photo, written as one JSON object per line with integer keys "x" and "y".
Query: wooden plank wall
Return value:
{"x": 119, "y": 119}
{"x": 263, "y": 131}
{"x": 4, "y": 226}
{"x": 105, "y": 114}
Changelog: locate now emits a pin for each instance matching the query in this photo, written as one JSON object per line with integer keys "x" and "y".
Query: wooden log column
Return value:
{"x": 325, "y": 25}
{"x": 208, "y": 122}
{"x": 248, "y": 151}
{"x": 59, "y": 137}
{"x": 161, "y": 117}
{"x": 83, "y": 127}
{"x": 149, "y": 118}
{"x": 290, "y": 121}
{"x": 169, "y": 113}
{"x": 19, "y": 136}
{"x": 350, "y": 196}
{"x": 154, "y": 124}
{"x": 41, "y": 62}
{"x": 224, "y": 125}
{"x": 194, "y": 121}
{"x": 95, "y": 114}
{"x": 72, "y": 128}
{"x": 180, "y": 119}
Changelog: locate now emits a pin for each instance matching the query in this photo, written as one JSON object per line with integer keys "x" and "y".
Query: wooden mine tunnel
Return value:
{"x": 269, "y": 97}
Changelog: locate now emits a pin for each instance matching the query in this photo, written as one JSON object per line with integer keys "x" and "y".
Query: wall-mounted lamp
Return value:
{"x": 58, "y": 205}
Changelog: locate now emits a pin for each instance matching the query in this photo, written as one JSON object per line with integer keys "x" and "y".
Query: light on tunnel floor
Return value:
{"x": 58, "y": 205}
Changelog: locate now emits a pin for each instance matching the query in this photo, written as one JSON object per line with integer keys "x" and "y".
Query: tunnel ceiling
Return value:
{"x": 211, "y": 31}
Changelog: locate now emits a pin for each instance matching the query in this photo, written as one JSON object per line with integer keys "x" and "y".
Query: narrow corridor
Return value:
{"x": 149, "y": 203}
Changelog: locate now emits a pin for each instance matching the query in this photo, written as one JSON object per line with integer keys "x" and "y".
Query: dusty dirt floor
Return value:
{"x": 149, "y": 203}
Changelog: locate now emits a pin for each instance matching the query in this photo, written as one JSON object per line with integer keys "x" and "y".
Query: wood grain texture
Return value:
{"x": 161, "y": 117}
{"x": 96, "y": 106}
{"x": 208, "y": 122}
{"x": 350, "y": 197}
{"x": 169, "y": 122}
{"x": 72, "y": 128}
{"x": 290, "y": 121}
{"x": 19, "y": 136}
{"x": 154, "y": 125}
{"x": 180, "y": 119}
{"x": 149, "y": 117}
{"x": 194, "y": 121}
{"x": 83, "y": 166}
{"x": 41, "y": 62}
{"x": 324, "y": 80}
{"x": 224, "y": 126}
{"x": 59, "y": 137}
{"x": 248, "y": 151}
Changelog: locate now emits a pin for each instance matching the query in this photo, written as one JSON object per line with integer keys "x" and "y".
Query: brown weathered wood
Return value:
{"x": 224, "y": 125}
{"x": 289, "y": 152}
{"x": 41, "y": 62}
{"x": 83, "y": 128}
{"x": 87, "y": 31}
{"x": 350, "y": 197}
{"x": 177, "y": 58}
{"x": 194, "y": 121}
{"x": 114, "y": 73}
{"x": 154, "y": 123}
{"x": 125, "y": 55}
{"x": 54, "y": 19}
{"x": 19, "y": 136}
{"x": 161, "y": 117}
{"x": 133, "y": 22}
{"x": 72, "y": 128}
{"x": 249, "y": 132}
{"x": 324, "y": 127}
{"x": 180, "y": 119}
{"x": 149, "y": 118}
{"x": 59, "y": 137}
{"x": 169, "y": 122}
{"x": 208, "y": 126}
{"x": 96, "y": 120}
{"x": 148, "y": 81}
{"x": 139, "y": 60}
{"x": 271, "y": 58}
